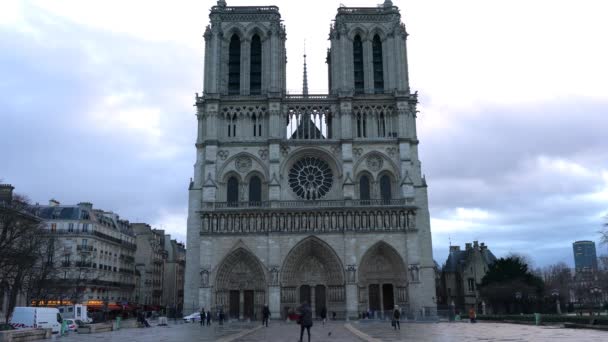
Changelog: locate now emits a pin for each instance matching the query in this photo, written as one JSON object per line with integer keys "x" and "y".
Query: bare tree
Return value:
{"x": 21, "y": 239}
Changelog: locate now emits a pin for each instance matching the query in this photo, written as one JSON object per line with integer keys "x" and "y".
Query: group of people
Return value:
{"x": 206, "y": 317}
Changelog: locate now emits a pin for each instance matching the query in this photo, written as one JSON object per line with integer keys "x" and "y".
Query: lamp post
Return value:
{"x": 595, "y": 292}
{"x": 518, "y": 298}
{"x": 555, "y": 295}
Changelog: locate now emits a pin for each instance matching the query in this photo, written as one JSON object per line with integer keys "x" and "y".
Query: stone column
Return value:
{"x": 352, "y": 297}
{"x": 245, "y": 65}
{"x": 313, "y": 303}
{"x": 381, "y": 301}
{"x": 241, "y": 304}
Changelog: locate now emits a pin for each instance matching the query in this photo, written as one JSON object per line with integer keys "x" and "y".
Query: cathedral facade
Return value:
{"x": 316, "y": 198}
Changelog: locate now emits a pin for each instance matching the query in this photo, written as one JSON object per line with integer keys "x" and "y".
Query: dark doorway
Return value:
{"x": 320, "y": 302}
{"x": 248, "y": 305}
{"x": 304, "y": 294}
{"x": 374, "y": 297}
{"x": 234, "y": 304}
{"x": 387, "y": 297}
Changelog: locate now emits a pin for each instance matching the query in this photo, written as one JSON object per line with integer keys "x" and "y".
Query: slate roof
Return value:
{"x": 457, "y": 258}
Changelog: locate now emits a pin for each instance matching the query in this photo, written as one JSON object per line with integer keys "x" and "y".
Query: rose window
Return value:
{"x": 310, "y": 178}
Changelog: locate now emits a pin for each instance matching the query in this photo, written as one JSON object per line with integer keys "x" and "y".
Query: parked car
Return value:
{"x": 71, "y": 324}
{"x": 194, "y": 317}
{"x": 4, "y": 327}
{"x": 35, "y": 317}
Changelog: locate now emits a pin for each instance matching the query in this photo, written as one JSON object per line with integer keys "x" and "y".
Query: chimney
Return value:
{"x": 483, "y": 246}
{"x": 476, "y": 244}
{"x": 53, "y": 202}
{"x": 6, "y": 193}
{"x": 85, "y": 205}
{"x": 454, "y": 249}
{"x": 467, "y": 246}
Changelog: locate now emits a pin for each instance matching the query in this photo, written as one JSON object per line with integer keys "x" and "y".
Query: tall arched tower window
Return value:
{"x": 255, "y": 190}
{"x": 358, "y": 64}
{"x": 385, "y": 187}
{"x": 234, "y": 65}
{"x": 378, "y": 70}
{"x": 364, "y": 188}
{"x": 232, "y": 191}
{"x": 255, "y": 74}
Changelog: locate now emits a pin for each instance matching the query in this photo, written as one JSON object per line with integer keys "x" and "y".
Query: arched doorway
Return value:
{"x": 241, "y": 285}
{"x": 312, "y": 272}
{"x": 382, "y": 279}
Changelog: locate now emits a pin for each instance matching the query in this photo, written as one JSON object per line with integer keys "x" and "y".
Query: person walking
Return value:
{"x": 305, "y": 319}
{"x": 202, "y": 314}
{"x": 265, "y": 315}
{"x": 396, "y": 317}
{"x": 472, "y": 315}
{"x": 323, "y": 315}
{"x": 221, "y": 316}
{"x": 208, "y": 317}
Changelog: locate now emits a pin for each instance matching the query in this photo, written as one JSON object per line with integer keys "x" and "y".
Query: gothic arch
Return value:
{"x": 388, "y": 165}
{"x": 378, "y": 30}
{"x": 358, "y": 30}
{"x": 234, "y": 28}
{"x": 381, "y": 262}
{"x": 312, "y": 262}
{"x": 382, "y": 278}
{"x": 312, "y": 151}
{"x": 257, "y": 164}
{"x": 255, "y": 28}
{"x": 240, "y": 269}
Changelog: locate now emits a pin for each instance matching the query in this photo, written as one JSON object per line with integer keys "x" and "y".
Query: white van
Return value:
{"x": 30, "y": 317}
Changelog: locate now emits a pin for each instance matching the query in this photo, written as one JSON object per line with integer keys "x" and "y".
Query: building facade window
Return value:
{"x": 232, "y": 191}
{"x": 255, "y": 73}
{"x": 255, "y": 190}
{"x": 358, "y": 64}
{"x": 53, "y": 227}
{"x": 385, "y": 187}
{"x": 471, "y": 283}
{"x": 70, "y": 227}
{"x": 85, "y": 227}
{"x": 234, "y": 65}
{"x": 377, "y": 62}
{"x": 364, "y": 192}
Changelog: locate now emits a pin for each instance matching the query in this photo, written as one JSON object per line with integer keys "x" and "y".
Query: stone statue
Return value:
{"x": 205, "y": 278}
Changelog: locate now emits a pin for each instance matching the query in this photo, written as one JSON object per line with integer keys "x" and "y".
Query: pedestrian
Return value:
{"x": 208, "y": 317}
{"x": 305, "y": 319}
{"x": 396, "y": 317}
{"x": 323, "y": 315}
{"x": 221, "y": 316}
{"x": 265, "y": 315}
{"x": 472, "y": 315}
{"x": 202, "y": 314}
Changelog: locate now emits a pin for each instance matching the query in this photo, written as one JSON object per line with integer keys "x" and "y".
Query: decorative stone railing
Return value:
{"x": 309, "y": 220}
{"x": 401, "y": 202}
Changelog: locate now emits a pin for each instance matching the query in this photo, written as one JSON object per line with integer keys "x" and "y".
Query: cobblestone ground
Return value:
{"x": 281, "y": 331}
{"x": 448, "y": 332}
{"x": 172, "y": 332}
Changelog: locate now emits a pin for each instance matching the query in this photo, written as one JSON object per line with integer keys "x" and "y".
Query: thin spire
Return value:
{"x": 305, "y": 80}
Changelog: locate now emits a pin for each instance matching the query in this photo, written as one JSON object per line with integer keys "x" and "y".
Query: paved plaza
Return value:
{"x": 345, "y": 331}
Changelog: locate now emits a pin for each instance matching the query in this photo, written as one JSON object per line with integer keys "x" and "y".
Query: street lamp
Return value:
{"x": 595, "y": 292}
{"x": 518, "y": 298}
{"x": 555, "y": 295}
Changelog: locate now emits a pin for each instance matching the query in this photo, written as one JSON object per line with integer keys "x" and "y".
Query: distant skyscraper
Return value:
{"x": 584, "y": 255}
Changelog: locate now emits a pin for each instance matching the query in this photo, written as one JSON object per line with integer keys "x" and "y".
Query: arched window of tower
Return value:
{"x": 234, "y": 65}
{"x": 255, "y": 74}
{"x": 378, "y": 68}
{"x": 358, "y": 64}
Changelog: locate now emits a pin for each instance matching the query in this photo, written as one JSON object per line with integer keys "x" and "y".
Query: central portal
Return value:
{"x": 313, "y": 268}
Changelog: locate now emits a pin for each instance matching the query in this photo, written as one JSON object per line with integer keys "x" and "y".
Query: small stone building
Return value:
{"x": 462, "y": 272}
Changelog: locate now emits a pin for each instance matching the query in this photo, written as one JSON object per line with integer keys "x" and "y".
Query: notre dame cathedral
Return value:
{"x": 316, "y": 198}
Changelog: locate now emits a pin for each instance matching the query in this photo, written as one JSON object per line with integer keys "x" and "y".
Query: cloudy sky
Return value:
{"x": 96, "y": 104}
